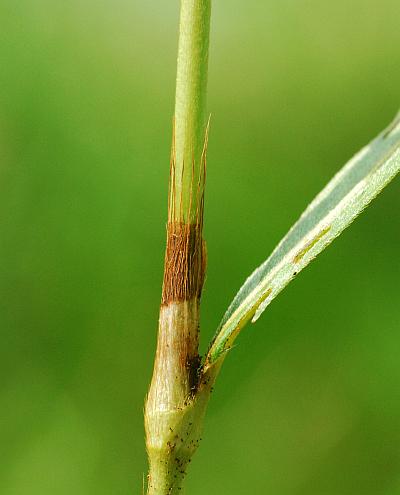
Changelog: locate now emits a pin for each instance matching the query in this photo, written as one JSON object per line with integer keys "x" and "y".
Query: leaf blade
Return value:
{"x": 347, "y": 194}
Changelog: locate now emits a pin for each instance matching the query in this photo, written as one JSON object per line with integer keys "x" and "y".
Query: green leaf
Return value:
{"x": 334, "y": 208}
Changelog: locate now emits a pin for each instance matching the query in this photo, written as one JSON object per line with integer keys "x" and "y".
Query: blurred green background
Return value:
{"x": 309, "y": 401}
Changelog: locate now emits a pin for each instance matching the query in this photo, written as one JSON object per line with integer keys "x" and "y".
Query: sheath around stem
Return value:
{"x": 178, "y": 392}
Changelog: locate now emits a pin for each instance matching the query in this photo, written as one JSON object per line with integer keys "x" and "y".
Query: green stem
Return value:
{"x": 190, "y": 100}
{"x": 178, "y": 393}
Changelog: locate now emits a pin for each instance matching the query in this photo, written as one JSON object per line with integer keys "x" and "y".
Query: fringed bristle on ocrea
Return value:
{"x": 185, "y": 256}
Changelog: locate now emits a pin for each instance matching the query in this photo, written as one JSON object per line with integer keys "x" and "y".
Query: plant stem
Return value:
{"x": 178, "y": 392}
{"x": 190, "y": 98}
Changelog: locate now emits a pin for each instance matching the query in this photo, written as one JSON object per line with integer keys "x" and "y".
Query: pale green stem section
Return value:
{"x": 175, "y": 411}
{"x": 190, "y": 102}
